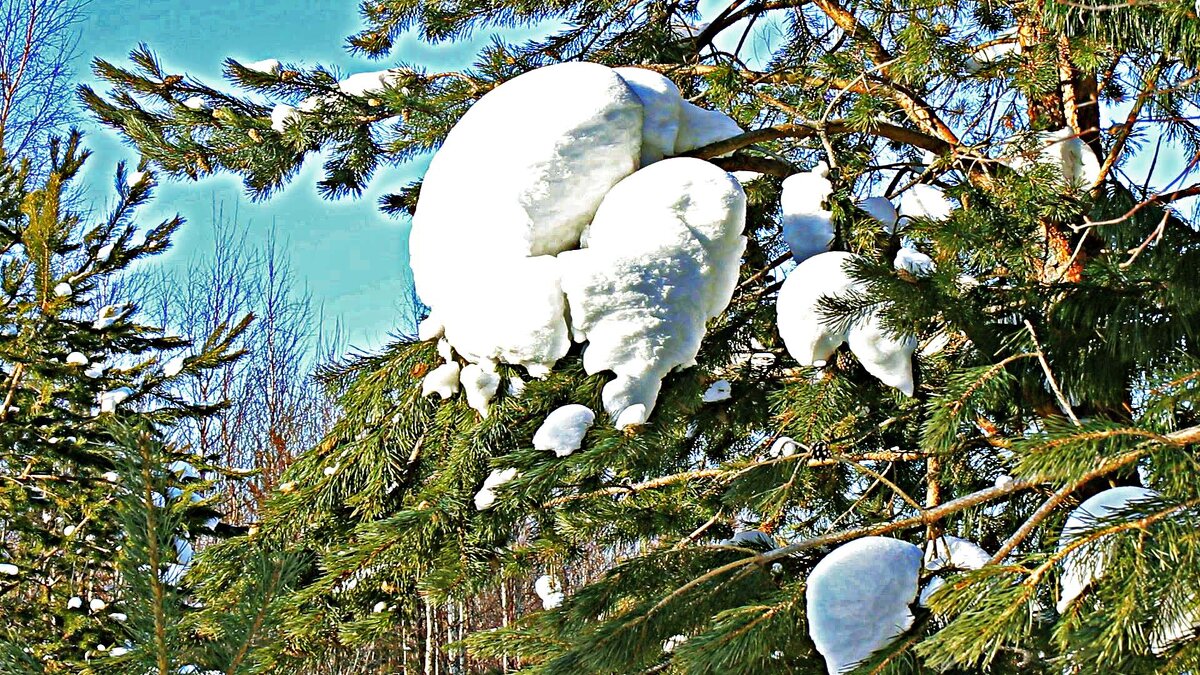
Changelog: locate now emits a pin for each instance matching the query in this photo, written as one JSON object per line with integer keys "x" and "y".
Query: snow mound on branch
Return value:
{"x": 282, "y": 115}
{"x": 516, "y": 316}
{"x": 807, "y": 224}
{"x": 882, "y": 210}
{"x": 486, "y": 497}
{"x": 536, "y": 154}
{"x": 914, "y": 262}
{"x": 699, "y": 127}
{"x": 264, "y": 66}
{"x": 756, "y": 539}
{"x": 1075, "y": 160}
{"x": 807, "y": 338}
{"x": 782, "y": 447}
{"x": 549, "y": 590}
{"x": 479, "y": 383}
{"x": 1080, "y": 567}
{"x": 886, "y": 357}
{"x": 661, "y": 111}
{"x": 990, "y": 53}
{"x": 858, "y": 599}
{"x": 662, "y": 258}
{"x": 925, "y": 201}
{"x": 718, "y": 391}
{"x": 811, "y": 341}
{"x": 360, "y": 84}
{"x": 442, "y": 381}
{"x": 953, "y": 552}
{"x": 564, "y": 429}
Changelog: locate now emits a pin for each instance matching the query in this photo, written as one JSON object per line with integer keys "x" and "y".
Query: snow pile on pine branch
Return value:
{"x": 661, "y": 260}
{"x": 486, "y": 497}
{"x": 927, "y": 202}
{"x": 858, "y": 599}
{"x": 812, "y": 341}
{"x": 1064, "y": 150}
{"x": 718, "y": 391}
{"x": 564, "y": 429}
{"x": 1081, "y": 568}
{"x": 549, "y": 590}
{"x": 538, "y": 155}
{"x": 807, "y": 223}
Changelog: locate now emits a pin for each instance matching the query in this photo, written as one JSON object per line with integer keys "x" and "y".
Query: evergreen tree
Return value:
{"x": 1054, "y": 313}
{"x": 99, "y": 518}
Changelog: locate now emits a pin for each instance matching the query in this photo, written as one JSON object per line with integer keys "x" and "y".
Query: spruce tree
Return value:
{"x": 99, "y": 515}
{"x": 1051, "y": 303}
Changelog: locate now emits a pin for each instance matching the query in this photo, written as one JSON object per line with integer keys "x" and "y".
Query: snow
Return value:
{"x": 361, "y": 84}
{"x": 812, "y": 342}
{"x": 108, "y": 315}
{"x": 96, "y": 604}
{"x": 196, "y": 103}
{"x": 782, "y": 447}
{"x": 136, "y": 178}
{"x": 486, "y": 497}
{"x": 480, "y": 385}
{"x": 858, "y": 599}
{"x": 9, "y": 569}
{"x": 379, "y": 607}
{"x": 183, "y": 550}
{"x": 429, "y": 328}
{"x": 661, "y": 110}
{"x": 662, "y": 258}
{"x": 883, "y": 355}
{"x": 445, "y": 350}
{"x": 110, "y": 476}
{"x": 118, "y": 651}
{"x": 564, "y": 429}
{"x": 1081, "y": 567}
{"x": 699, "y": 127}
{"x": 718, "y": 391}
{"x": 632, "y": 416}
{"x": 756, "y": 539}
{"x": 75, "y": 602}
{"x": 76, "y": 359}
{"x": 807, "y": 224}
{"x": 173, "y": 367}
{"x": 925, "y": 201}
{"x": 63, "y": 290}
{"x": 109, "y": 400}
{"x": 1004, "y": 480}
{"x": 990, "y": 54}
{"x": 882, "y": 210}
{"x": 68, "y": 530}
{"x": 264, "y": 66}
{"x": 442, "y": 381}
{"x": 953, "y": 552}
{"x": 930, "y": 588}
{"x": 183, "y": 470}
{"x": 282, "y": 115}
{"x": 914, "y": 262}
{"x": 95, "y": 371}
{"x": 671, "y": 643}
{"x": 105, "y": 252}
{"x": 1075, "y": 159}
{"x": 119, "y": 617}
{"x": 516, "y": 316}
{"x": 519, "y": 176}
{"x": 549, "y": 590}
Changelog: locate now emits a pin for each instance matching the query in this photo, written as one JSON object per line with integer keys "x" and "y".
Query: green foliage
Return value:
{"x": 1057, "y": 344}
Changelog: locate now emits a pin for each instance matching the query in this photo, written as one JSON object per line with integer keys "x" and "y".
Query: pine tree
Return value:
{"x": 1054, "y": 318}
{"x": 100, "y": 516}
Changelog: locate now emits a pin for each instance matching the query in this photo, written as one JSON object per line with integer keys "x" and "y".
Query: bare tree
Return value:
{"x": 278, "y": 408}
{"x": 37, "y": 45}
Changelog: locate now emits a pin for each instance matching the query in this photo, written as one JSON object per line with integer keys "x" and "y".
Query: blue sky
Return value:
{"x": 351, "y": 256}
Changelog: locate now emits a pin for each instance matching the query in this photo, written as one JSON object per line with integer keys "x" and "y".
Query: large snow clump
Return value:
{"x": 858, "y": 599}
{"x": 807, "y": 223}
{"x": 518, "y": 181}
{"x": 661, "y": 259}
{"x": 812, "y": 341}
